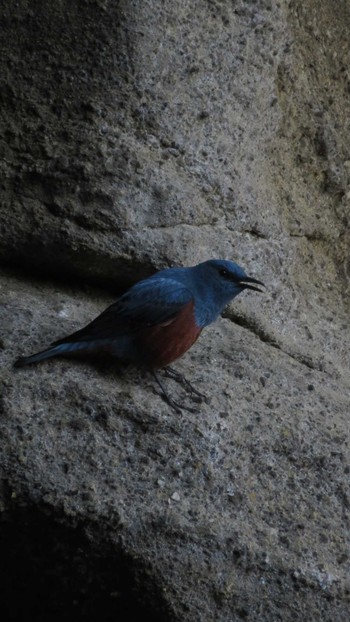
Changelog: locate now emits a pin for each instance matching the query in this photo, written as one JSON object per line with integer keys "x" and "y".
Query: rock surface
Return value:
{"x": 134, "y": 136}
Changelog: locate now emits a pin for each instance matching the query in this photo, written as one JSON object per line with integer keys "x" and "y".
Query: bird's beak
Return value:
{"x": 245, "y": 282}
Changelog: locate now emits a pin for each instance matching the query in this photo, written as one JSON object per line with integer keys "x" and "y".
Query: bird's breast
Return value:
{"x": 164, "y": 343}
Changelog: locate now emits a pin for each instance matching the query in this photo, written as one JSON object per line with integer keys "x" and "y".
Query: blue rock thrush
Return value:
{"x": 159, "y": 318}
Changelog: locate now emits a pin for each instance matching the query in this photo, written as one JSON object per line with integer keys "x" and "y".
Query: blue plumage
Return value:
{"x": 159, "y": 318}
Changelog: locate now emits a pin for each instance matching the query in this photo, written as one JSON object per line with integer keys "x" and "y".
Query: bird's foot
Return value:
{"x": 178, "y": 377}
{"x": 169, "y": 400}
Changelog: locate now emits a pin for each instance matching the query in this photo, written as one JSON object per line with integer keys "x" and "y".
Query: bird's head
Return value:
{"x": 228, "y": 276}
{"x": 221, "y": 280}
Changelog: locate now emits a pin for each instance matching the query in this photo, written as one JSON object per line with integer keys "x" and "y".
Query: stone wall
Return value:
{"x": 138, "y": 135}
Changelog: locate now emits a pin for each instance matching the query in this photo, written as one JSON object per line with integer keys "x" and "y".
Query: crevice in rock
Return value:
{"x": 112, "y": 277}
{"x": 310, "y": 237}
{"x": 253, "y": 327}
{"x": 264, "y": 336}
{"x": 255, "y": 233}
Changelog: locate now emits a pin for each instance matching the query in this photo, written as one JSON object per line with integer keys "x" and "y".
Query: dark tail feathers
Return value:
{"x": 58, "y": 350}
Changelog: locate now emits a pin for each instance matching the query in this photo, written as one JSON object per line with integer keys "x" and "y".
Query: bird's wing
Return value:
{"x": 148, "y": 303}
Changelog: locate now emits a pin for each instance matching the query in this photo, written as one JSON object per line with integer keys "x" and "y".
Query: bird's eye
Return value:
{"x": 224, "y": 272}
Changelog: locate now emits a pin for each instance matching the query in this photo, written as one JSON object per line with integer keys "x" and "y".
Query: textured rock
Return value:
{"x": 135, "y": 136}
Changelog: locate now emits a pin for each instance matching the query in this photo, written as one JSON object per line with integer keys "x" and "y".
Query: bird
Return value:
{"x": 159, "y": 318}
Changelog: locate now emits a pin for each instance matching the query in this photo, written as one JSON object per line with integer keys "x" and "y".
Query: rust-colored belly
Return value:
{"x": 164, "y": 343}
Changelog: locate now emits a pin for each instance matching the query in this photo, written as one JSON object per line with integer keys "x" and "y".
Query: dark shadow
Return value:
{"x": 50, "y": 572}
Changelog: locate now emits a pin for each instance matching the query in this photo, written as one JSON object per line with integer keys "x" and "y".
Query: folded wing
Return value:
{"x": 149, "y": 303}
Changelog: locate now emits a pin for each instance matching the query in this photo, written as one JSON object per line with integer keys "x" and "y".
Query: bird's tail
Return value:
{"x": 61, "y": 349}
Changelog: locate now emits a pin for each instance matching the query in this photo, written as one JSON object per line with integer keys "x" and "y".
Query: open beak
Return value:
{"x": 245, "y": 282}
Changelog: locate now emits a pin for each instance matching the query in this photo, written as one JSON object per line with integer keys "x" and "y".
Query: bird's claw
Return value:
{"x": 175, "y": 405}
{"x": 197, "y": 396}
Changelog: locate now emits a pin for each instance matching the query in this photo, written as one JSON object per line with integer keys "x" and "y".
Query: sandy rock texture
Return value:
{"x": 134, "y": 136}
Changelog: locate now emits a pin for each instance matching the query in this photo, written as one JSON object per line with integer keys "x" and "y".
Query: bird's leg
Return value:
{"x": 177, "y": 407}
{"x": 178, "y": 377}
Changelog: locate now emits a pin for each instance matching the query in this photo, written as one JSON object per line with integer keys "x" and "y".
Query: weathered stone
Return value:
{"x": 135, "y": 136}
